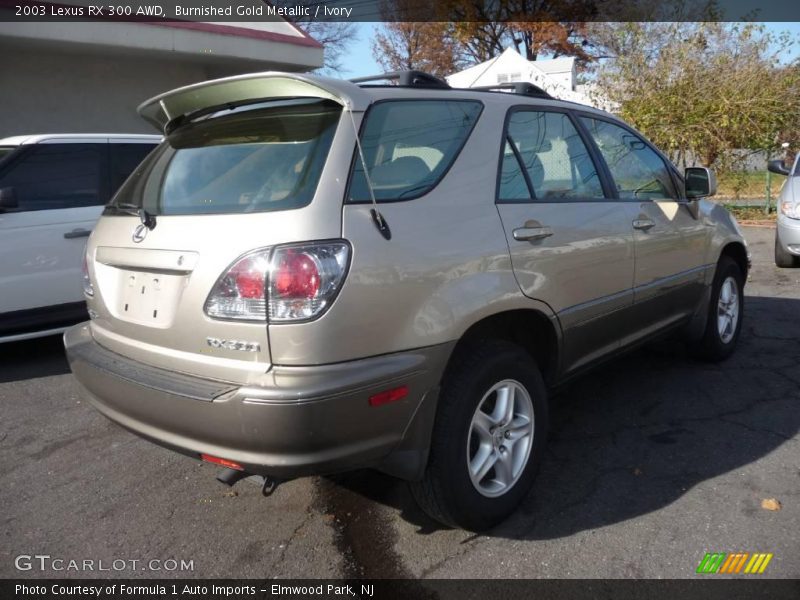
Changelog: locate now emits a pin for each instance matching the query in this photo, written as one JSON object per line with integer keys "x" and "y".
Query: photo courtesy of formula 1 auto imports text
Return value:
{"x": 380, "y": 299}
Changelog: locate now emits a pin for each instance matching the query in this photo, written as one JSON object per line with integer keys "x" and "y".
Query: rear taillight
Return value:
{"x": 283, "y": 284}
{"x": 88, "y": 288}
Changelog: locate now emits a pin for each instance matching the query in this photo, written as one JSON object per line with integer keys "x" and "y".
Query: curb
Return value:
{"x": 765, "y": 224}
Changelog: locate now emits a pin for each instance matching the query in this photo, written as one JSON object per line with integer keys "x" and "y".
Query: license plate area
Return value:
{"x": 148, "y": 298}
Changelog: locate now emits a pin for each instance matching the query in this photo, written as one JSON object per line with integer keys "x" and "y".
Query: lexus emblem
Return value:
{"x": 139, "y": 233}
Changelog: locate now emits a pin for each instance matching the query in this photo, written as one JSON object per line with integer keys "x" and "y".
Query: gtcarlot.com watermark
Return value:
{"x": 46, "y": 562}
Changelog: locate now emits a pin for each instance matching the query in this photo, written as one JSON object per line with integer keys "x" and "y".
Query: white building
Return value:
{"x": 90, "y": 76}
{"x": 557, "y": 76}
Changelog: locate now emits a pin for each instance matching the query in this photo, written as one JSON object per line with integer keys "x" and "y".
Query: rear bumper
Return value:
{"x": 301, "y": 421}
{"x": 789, "y": 234}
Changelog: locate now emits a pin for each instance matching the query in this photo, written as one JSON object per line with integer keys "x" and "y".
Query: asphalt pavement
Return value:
{"x": 653, "y": 460}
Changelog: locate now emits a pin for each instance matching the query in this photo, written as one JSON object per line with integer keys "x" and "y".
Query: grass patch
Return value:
{"x": 747, "y": 184}
{"x": 750, "y": 213}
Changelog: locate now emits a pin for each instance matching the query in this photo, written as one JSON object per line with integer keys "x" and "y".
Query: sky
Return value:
{"x": 359, "y": 61}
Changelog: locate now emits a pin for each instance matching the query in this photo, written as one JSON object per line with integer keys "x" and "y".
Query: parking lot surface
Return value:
{"x": 653, "y": 460}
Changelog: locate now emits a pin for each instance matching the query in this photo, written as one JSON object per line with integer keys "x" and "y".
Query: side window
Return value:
{"x": 638, "y": 171}
{"x": 408, "y": 145}
{"x": 53, "y": 176}
{"x": 554, "y": 156}
{"x": 124, "y": 159}
{"x": 512, "y": 180}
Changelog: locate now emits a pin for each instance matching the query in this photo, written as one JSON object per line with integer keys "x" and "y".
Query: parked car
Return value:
{"x": 52, "y": 190}
{"x": 312, "y": 275}
{"x": 787, "y": 232}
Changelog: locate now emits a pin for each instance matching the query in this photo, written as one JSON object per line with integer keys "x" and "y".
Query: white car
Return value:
{"x": 787, "y": 232}
{"x": 52, "y": 191}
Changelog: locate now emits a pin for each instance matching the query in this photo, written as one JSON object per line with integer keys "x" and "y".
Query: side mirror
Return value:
{"x": 8, "y": 199}
{"x": 700, "y": 182}
{"x": 777, "y": 166}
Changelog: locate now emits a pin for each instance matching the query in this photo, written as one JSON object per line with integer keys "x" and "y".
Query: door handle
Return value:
{"x": 77, "y": 233}
{"x": 531, "y": 234}
{"x": 643, "y": 224}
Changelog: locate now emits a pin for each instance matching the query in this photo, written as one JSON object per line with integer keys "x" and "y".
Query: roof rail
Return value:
{"x": 518, "y": 87}
{"x": 406, "y": 79}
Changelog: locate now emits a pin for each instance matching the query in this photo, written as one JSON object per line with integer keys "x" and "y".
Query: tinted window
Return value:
{"x": 408, "y": 146}
{"x": 124, "y": 159}
{"x": 513, "y": 185}
{"x": 554, "y": 156}
{"x": 638, "y": 171}
{"x": 260, "y": 158}
{"x": 6, "y": 150}
{"x": 51, "y": 176}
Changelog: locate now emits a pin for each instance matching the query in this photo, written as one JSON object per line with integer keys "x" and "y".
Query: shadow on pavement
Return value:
{"x": 41, "y": 357}
{"x": 636, "y": 434}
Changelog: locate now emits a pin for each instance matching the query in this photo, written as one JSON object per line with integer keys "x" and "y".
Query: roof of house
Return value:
{"x": 274, "y": 31}
{"x": 510, "y": 60}
{"x": 542, "y": 73}
{"x": 274, "y": 43}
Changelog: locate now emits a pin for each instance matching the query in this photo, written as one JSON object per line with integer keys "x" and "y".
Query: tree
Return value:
{"x": 533, "y": 27}
{"x": 427, "y": 47}
{"x": 553, "y": 27}
{"x": 335, "y": 38}
{"x": 459, "y": 33}
{"x": 702, "y": 89}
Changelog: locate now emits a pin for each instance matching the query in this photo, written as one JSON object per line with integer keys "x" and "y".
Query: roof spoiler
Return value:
{"x": 168, "y": 110}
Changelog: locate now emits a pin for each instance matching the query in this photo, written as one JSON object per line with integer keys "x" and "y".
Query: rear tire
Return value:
{"x": 725, "y": 313}
{"x": 482, "y": 462}
{"x": 783, "y": 259}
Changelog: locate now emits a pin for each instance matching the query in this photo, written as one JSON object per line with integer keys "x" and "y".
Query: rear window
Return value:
{"x": 257, "y": 158}
{"x": 409, "y": 145}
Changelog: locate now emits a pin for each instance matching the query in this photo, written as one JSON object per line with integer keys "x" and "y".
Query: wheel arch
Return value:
{"x": 737, "y": 251}
{"x": 537, "y": 333}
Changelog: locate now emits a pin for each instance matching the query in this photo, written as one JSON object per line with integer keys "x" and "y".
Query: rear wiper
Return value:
{"x": 148, "y": 219}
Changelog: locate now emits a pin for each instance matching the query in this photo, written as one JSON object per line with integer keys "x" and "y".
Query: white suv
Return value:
{"x": 52, "y": 191}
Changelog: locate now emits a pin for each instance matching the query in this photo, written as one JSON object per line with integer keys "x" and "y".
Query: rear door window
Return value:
{"x": 56, "y": 176}
{"x": 545, "y": 159}
{"x": 409, "y": 145}
{"x": 257, "y": 158}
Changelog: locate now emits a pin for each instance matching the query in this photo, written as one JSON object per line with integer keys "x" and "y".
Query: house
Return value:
{"x": 556, "y": 76}
{"x": 89, "y": 76}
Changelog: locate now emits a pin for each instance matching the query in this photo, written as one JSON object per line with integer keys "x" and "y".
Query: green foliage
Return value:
{"x": 702, "y": 89}
{"x": 746, "y": 184}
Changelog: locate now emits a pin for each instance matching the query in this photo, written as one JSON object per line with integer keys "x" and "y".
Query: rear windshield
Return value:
{"x": 257, "y": 158}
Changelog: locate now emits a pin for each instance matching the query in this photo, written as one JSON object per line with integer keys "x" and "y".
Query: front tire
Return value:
{"x": 488, "y": 438}
{"x": 725, "y": 312}
{"x": 783, "y": 258}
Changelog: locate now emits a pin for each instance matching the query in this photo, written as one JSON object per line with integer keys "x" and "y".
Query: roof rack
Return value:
{"x": 406, "y": 79}
{"x": 517, "y": 87}
{"x": 421, "y": 79}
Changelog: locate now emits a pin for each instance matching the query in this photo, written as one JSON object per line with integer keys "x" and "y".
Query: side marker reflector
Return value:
{"x": 388, "y": 396}
{"x": 223, "y": 462}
